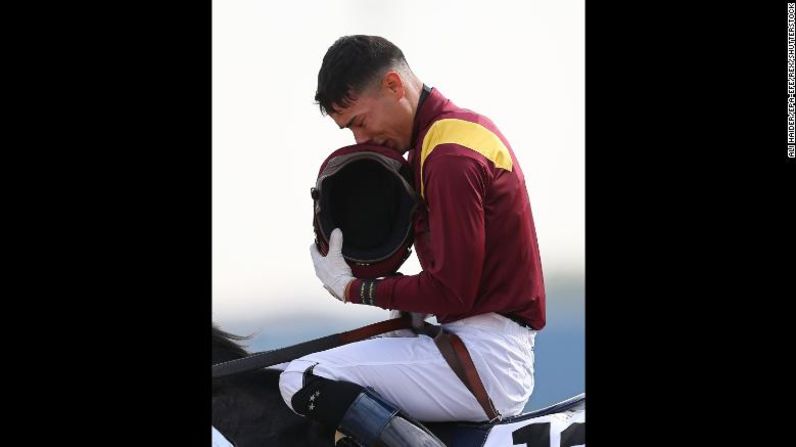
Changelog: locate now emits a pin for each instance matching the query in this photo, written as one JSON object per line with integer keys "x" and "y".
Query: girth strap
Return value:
{"x": 458, "y": 357}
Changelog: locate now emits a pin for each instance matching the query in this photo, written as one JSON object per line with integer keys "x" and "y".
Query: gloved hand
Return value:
{"x": 332, "y": 270}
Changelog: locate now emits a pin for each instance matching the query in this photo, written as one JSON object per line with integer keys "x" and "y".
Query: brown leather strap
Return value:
{"x": 457, "y": 356}
{"x": 370, "y": 330}
{"x": 264, "y": 359}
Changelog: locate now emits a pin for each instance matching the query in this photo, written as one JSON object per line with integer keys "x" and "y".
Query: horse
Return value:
{"x": 249, "y": 411}
{"x": 248, "y": 408}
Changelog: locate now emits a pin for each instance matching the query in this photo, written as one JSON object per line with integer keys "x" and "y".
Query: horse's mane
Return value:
{"x": 227, "y": 346}
{"x": 248, "y": 408}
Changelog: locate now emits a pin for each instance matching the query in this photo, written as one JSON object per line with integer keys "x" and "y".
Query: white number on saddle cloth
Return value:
{"x": 564, "y": 429}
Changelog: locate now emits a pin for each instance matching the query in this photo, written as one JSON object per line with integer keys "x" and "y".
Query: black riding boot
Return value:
{"x": 374, "y": 422}
{"x": 359, "y": 413}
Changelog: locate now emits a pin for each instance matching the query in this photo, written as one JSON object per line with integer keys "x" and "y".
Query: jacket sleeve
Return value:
{"x": 455, "y": 185}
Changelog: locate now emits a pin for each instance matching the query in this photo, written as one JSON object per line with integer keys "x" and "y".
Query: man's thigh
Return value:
{"x": 409, "y": 372}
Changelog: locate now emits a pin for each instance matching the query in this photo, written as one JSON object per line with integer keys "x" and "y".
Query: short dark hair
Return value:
{"x": 349, "y": 65}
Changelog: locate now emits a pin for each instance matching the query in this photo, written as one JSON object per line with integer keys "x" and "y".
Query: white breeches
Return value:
{"x": 411, "y": 373}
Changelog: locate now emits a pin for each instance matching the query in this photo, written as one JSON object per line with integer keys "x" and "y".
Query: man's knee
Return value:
{"x": 322, "y": 399}
{"x": 293, "y": 378}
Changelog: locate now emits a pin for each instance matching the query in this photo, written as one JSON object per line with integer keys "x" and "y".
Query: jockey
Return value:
{"x": 475, "y": 240}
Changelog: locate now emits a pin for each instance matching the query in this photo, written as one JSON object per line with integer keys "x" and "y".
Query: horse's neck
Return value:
{"x": 241, "y": 404}
{"x": 248, "y": 408}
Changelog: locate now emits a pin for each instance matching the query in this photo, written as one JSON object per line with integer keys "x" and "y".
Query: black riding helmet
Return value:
{"x": 366, "y": 191}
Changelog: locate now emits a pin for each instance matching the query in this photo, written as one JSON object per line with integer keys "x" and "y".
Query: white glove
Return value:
{"x": 332, "y": 269}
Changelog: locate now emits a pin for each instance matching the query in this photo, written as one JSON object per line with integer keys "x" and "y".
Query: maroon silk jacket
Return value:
{"x": 474, "y": 231}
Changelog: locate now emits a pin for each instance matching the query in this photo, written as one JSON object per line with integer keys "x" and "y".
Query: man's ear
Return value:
{"x": 393, "y": 84}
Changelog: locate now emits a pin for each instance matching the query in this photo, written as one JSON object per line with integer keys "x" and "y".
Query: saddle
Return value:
{"x": 475, "y": 434}
{"x": 481, "y": 434}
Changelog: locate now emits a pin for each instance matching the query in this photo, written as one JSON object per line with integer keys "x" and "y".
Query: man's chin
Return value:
{"x": 396, "y": 147}
{"x": 392, "y": 144}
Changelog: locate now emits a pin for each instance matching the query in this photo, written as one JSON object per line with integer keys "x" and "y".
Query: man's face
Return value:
{"x": 380, "y": 115}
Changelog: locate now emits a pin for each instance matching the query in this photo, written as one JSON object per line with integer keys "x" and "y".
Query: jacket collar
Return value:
{"x": 429, "y": 106}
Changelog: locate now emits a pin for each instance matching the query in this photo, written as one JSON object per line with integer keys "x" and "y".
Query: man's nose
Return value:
{"x": 360, "y": 136}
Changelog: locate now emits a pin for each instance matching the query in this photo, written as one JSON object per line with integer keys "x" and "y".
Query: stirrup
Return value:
{"x": 373, "y": 422}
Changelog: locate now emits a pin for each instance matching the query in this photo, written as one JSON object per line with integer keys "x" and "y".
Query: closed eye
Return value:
{"x": 351, "y": 123}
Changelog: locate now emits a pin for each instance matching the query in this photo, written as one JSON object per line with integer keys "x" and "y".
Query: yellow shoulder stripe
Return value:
{"x": 470, "y": 135}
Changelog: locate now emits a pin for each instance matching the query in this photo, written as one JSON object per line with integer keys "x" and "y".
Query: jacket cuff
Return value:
{"x": 364, "y": 291}
{"x": 352, "y": 292}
